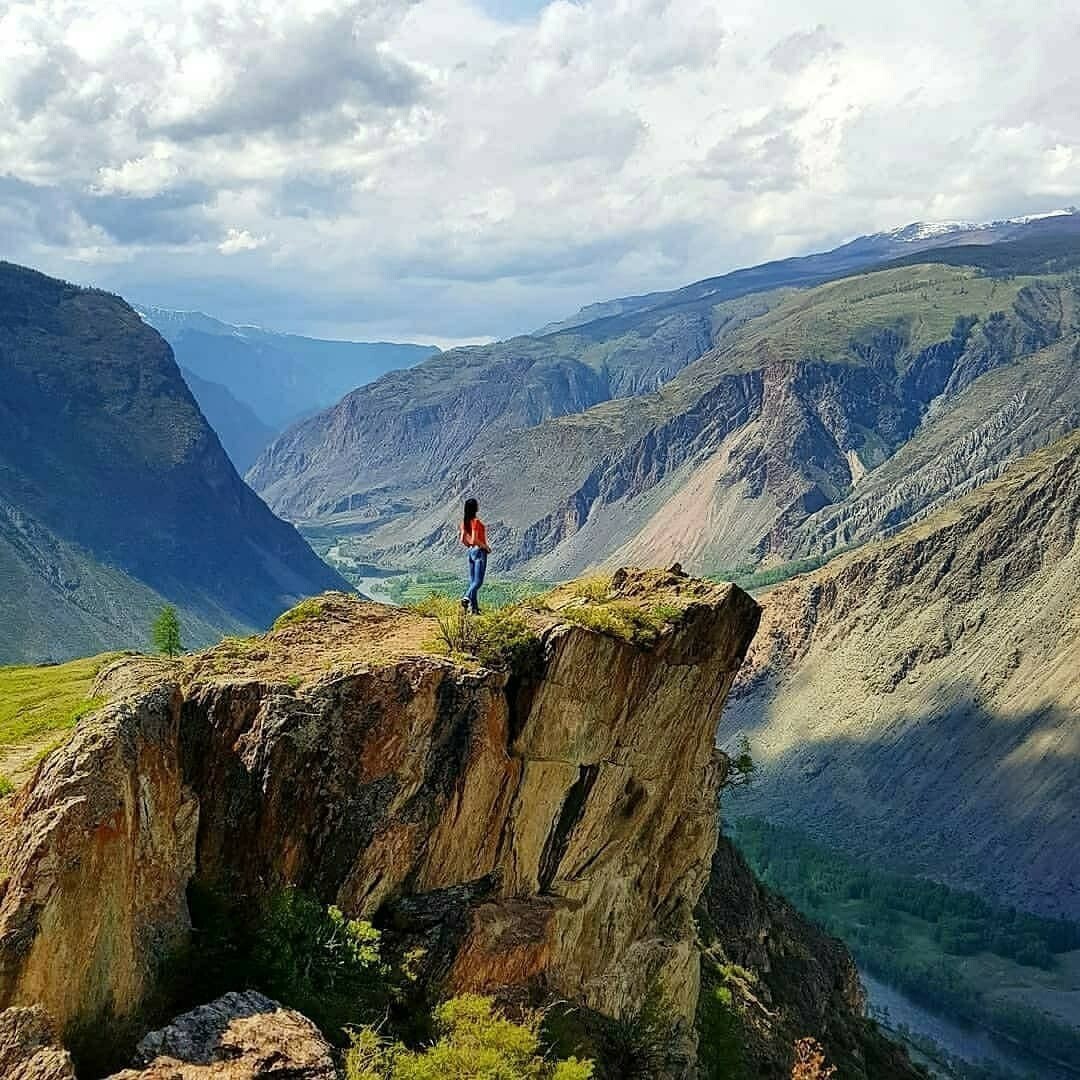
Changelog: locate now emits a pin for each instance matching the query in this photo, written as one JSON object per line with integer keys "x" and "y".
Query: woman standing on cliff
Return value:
{"x": 474, "y": 537}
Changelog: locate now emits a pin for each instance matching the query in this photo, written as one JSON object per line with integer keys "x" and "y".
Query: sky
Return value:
{"x": 458, "y": 170}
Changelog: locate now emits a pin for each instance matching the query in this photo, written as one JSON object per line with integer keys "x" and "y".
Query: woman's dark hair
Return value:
{"x": 471, "y": 506}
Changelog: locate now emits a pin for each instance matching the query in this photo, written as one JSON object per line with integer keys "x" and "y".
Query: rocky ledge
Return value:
{"x": 547, "y": 826}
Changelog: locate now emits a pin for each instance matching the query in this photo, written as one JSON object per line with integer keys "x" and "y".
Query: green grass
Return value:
{"x": 497, "y": 637}
{"x": 411, "y": 589}
{"x": 596, "y": 588}
{"x": 922, "y": 303}
{"x": 622, "y": 619}
{"x": 36, "y": 702}
{"x": 752, "y": 578}
{"x": 311, "y": 608}
{"x": 39, "y": 707}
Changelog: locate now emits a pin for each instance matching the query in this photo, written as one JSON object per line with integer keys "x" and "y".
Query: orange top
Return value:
{"x": 476, "y": 537}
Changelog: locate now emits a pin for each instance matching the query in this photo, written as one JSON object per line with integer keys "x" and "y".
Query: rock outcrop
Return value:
{"x": 238, "y": 1037}
{"x": 97, "y": 861}
{"x": 559, "y": 818}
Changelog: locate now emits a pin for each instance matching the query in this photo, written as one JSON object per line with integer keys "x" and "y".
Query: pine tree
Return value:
{"x": 165, "y": 632}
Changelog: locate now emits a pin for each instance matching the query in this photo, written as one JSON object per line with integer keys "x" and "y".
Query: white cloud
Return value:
{"x": 139, "y": 177}
{"x": 238, "y": 240}
{"x": 423, "y": 166}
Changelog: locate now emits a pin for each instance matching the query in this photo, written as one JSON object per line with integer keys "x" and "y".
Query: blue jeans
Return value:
{"x": 477, "y": 566}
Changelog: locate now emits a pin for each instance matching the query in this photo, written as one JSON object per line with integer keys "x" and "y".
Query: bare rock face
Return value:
{"x": 97, "y": 863}
{"x": 29, "y": 1049}
{"x": 238, "y": 1037}
{"x": 549, "y": 828}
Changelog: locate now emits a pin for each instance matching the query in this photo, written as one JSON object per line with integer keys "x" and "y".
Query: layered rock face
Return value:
{"x": 553, "y": 826}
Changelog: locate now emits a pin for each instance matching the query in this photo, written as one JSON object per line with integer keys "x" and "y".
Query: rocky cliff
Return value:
{"x": 115, "y": 495}
{"x": 548, "y": 827}
{"x": 918, "y": 696}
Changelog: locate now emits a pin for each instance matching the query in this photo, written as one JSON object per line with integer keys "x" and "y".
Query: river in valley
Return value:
{"x": 960, "y": 1040}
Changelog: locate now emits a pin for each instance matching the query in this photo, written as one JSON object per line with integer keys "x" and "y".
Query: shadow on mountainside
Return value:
{"x": 969, "y": 796}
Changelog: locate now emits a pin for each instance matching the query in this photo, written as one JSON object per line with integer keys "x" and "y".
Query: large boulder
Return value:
{"x": 238, "y": 1037}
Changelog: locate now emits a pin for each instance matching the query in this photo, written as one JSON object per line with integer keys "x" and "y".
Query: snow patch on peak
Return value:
{"x": 928, "y": 230}
{"x": 924, "y": 230}
{"x": 1025, "y": 218}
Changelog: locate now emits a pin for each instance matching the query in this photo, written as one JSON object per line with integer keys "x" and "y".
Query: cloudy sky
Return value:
{"x": 452, "y": 170}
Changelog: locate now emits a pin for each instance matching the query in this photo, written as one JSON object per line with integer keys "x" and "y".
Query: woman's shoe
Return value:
{"x": 464, "y": 603}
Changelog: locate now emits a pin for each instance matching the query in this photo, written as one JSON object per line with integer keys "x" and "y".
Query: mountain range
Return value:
{"x": 115, "y": 494}
{"x": 901, "y": 414}
{"x": 243, "y": 435}
{"x": 280, "y": 377}
{"x": 747, "y": 420}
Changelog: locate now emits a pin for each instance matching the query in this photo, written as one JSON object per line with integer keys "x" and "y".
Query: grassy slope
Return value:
{"x": 39, "y": 706}
{"x": 58, "y": 602}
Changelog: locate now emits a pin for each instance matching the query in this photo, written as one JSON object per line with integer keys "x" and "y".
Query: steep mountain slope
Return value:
{"x": 917, "y": 699}
{"x": 802, "y": 395}
{"x": 242, "y": 433}
{"x": 394, "y": 444}
{"x": 281, "y": 377}
{"x": 114, "y": 492}
{"x": 391, "y": 444}
{"x": 788, "y": 418}
{"x": 770, "y": 977}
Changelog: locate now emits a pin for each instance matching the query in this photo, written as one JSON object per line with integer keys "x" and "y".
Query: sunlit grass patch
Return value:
{"x": 37, "y": 701}
{"x": 497, "y": 637}
{"x": 311, "y": 608}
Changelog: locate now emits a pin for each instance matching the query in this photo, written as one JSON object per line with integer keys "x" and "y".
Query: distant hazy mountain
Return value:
{"x": 718, "y": 433}
{"x": 115, "y": 495}
{"x": 241, "y": 432}
{"x": 280, "y": 377}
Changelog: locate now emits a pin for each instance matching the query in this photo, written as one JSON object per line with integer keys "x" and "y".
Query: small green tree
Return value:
{"x": 474, "y": 1040}
{"x": 317, "y": 960}
{"x": 740, "y": 766}
{"x": 165, "y": 633}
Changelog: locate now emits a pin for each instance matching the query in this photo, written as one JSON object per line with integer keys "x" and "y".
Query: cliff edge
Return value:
{"x": 549, "y": 826}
